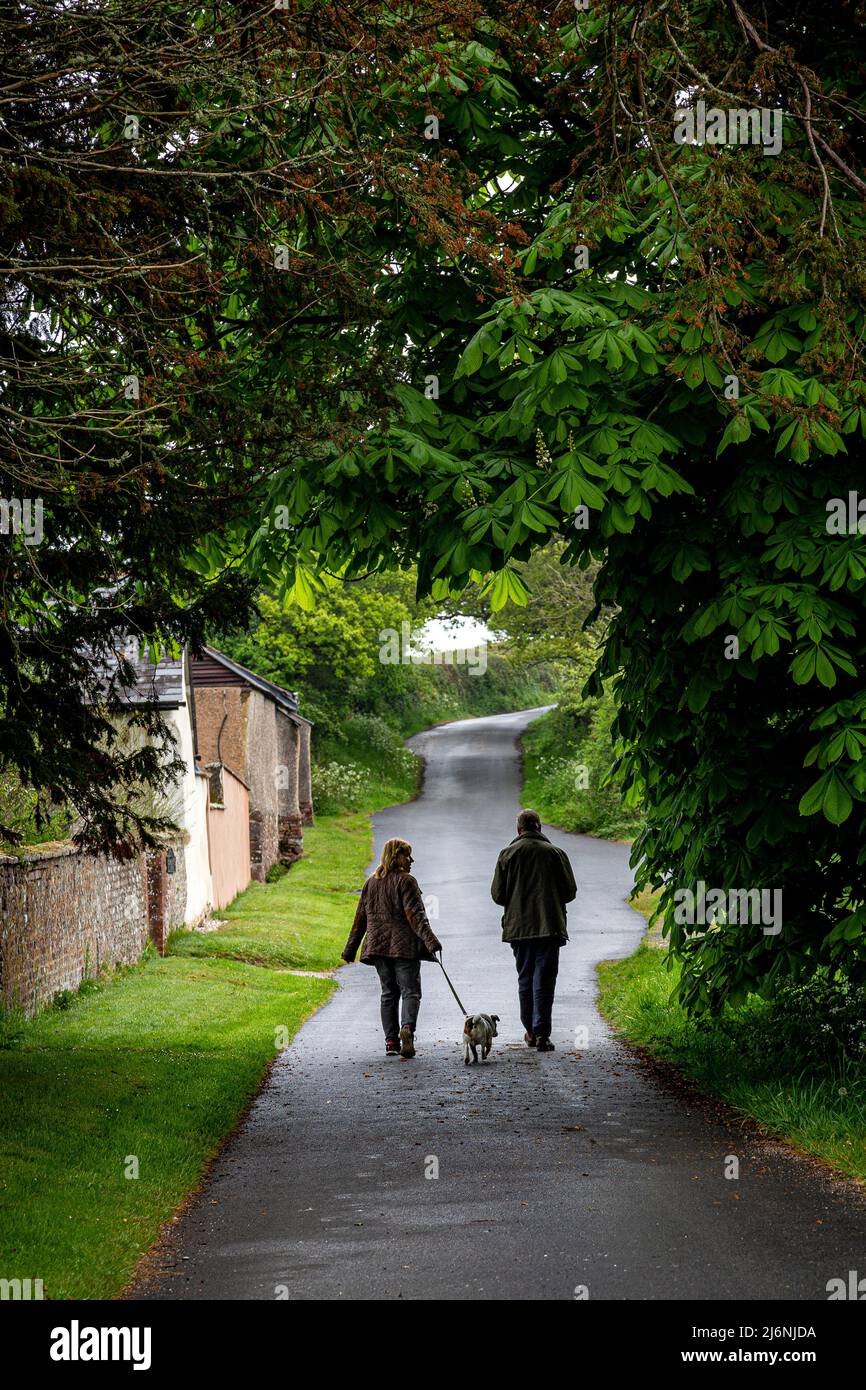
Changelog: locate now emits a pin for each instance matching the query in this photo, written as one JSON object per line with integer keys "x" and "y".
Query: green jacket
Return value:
{"x": 533, "y": 882}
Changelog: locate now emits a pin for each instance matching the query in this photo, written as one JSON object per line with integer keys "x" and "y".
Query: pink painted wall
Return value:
{"x": 229, "y": 835}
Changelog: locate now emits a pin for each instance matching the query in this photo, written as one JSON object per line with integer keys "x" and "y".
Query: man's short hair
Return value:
{"x": 529, "y": 820}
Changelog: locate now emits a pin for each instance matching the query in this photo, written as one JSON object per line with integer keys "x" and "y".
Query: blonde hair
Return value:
{"x": 392, "y": 851}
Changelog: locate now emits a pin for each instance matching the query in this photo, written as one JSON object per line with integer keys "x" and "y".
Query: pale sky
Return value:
{"x": 442, "y": 637}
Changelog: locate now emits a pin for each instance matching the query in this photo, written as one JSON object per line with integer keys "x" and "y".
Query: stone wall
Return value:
{"x": 65, "y": 915}
{"x": 262, "y": 776}
{"x": 305, "y": 787}
{"x": 291, "y": 835}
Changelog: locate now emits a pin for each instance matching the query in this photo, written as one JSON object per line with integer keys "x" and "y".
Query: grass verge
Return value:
{"x": 302, "y": 921}
{"x": 777, "y": 1062}
{"x": 157, "y": 1064}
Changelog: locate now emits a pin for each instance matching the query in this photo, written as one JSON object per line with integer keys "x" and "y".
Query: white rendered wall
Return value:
{"x": 193, "y": 790}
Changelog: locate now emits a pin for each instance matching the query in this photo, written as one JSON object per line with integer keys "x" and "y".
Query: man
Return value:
{"x": 533, "y": 882}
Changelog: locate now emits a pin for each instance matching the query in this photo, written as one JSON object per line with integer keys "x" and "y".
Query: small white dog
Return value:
{"x": 479, "y": 1030}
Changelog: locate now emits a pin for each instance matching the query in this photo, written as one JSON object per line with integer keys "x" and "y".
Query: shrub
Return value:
{"x": 818, "y": 1023}
{"x": 371, "y": 733}
{"x": 338, "y": 787}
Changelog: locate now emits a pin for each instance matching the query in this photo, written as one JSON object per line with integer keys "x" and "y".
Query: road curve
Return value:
{"x": 557, "y": 1174}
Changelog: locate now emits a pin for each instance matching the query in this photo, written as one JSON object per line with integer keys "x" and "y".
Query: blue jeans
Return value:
{"x": 537, "y": 962}
{"x": 401, "y": 982}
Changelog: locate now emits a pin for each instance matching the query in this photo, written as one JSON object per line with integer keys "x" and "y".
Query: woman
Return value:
{"x": 398, "y": 937}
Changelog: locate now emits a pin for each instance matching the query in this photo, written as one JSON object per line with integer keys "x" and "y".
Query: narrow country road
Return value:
{"x": 576, "y": 1169}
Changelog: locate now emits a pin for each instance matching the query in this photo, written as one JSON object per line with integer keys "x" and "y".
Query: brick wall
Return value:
{"x": 65, "y": 915}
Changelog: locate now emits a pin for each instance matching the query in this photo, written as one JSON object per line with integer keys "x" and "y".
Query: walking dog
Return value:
{"x": 479, "y": 1030}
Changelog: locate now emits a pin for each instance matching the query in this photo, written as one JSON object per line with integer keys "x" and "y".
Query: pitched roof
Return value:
{"x": 161, "y": 685}
{"x": 202, "y": 673}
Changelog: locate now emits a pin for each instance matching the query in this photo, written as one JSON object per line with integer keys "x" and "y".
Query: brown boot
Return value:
{"x": 407, "y": 1041}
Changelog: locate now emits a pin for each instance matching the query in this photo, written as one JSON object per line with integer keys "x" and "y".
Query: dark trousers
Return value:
{"x": 401, "y": 983}
{"x": 537, "y": 962}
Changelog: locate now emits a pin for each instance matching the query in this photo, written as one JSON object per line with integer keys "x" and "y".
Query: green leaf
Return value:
{"x": 504, "y": 586}
{"x": 738, "y": 430}
{"x": 837, "y": 803}
{"x": 830, "y": 795}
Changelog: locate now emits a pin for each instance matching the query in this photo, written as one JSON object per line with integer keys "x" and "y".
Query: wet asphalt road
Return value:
{"x": 555, "y": 1172}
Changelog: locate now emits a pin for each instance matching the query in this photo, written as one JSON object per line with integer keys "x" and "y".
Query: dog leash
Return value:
{"x": 451, "y": 987}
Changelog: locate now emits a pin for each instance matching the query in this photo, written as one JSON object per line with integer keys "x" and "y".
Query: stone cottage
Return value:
{"x": 253, "y": 727}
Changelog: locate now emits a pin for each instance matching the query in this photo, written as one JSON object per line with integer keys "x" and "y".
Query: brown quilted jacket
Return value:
{"x": 392, "y": 919}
